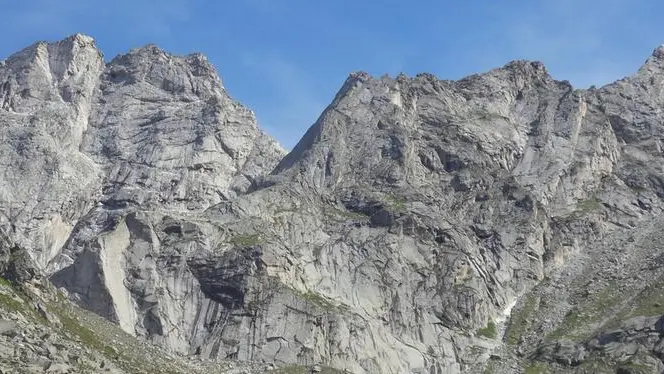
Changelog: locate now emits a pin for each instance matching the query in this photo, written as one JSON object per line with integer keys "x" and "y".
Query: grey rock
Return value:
{"x": 564, "y": 352}
{"x": 59, "y": 368}
{"x": 8, "y": 328}
{"x": 396, "y": 237}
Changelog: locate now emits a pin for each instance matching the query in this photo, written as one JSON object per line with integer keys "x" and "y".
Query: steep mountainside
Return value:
{"x": 505, "y": 222}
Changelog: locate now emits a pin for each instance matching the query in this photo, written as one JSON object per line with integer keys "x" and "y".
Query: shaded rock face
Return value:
{"x": 396, "y": 237}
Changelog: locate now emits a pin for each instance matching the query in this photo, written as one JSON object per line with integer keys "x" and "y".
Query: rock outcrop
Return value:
{"x": 498, "y": 222}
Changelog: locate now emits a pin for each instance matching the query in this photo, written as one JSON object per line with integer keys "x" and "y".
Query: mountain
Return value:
{"x": 505, "y": 222}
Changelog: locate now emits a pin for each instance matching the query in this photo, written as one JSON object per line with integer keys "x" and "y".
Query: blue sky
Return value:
{"x": 286, "y": 59}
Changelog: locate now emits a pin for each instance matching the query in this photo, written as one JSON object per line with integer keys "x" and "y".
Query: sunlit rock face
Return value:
{"x": 398, "y": 235}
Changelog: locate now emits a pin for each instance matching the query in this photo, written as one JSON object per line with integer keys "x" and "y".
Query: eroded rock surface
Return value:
{"x": 396, "y": 237}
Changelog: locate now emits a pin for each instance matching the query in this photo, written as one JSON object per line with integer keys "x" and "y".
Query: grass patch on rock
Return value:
{"x": 5, "y": 283}
{"x": 396, "y": 203}
{"x": 317, "y": 299}
{"x": 313, "y": 298}
{"x": 635, "y": 368}
{"x": 520, "y": 320}
{"x": 245, "y": 240}
{"x": 345, "y": 214}
{"x": 323, "y": 303}
{"x": 595, "y": 365}
{"x": 489, "y": 331}
{"x": 537, "y": 368}
{"x": 587, "y": 206}
{"x": 8, "y": 302}
{"x": 86, "y": 335}
{"x": 650, "y": 301}
{"x": 109, "y": 340}
{"x": 580, "y": 322}
{"x": 12, "y": 299}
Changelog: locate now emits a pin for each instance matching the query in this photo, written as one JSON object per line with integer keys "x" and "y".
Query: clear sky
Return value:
{"x": 286, "y": 59}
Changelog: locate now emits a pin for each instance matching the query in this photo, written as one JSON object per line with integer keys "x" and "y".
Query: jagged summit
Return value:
{"x": 70, "y": 45}
{"x": 153, "y": 50}
{"x": 77, "y": 39}
{"x": 658, "y": 52}
{"x": 194, "y": 126}
{"x": 653, "y": 66}
{"x": 191, "y": 74}
{"x": 503, "y": 222}
{"x": 396, "y": 110}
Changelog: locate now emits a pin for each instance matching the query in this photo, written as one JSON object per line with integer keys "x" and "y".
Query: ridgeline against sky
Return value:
{"x": 286, "y": 59}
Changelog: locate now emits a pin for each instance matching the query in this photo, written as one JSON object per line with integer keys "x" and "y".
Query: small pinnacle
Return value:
{"x": 81, "y": 37}
{"x": 659, "y": 52}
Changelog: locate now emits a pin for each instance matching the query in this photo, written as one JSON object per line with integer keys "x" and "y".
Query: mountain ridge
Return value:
{"x": 396, "y": 237}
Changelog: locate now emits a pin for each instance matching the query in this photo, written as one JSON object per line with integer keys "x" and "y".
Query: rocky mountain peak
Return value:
{"x": 75, "y": 43}
{"x": 67, "y": 69}
{"x": 658, "y": 52}
{"x": 511, "y": 150}
{"x": 497, "y": 223}
{"x": 69, "y": 47}
{"x": 379, "y": 125}
{"x": 653, "y": 67}
{"x": 141, "y": 129}
{"x": 527, "y": 67}
{"x": 183, "y": 75}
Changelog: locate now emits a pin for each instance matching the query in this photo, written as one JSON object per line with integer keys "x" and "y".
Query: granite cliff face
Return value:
{"x": 499, "y": 223}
